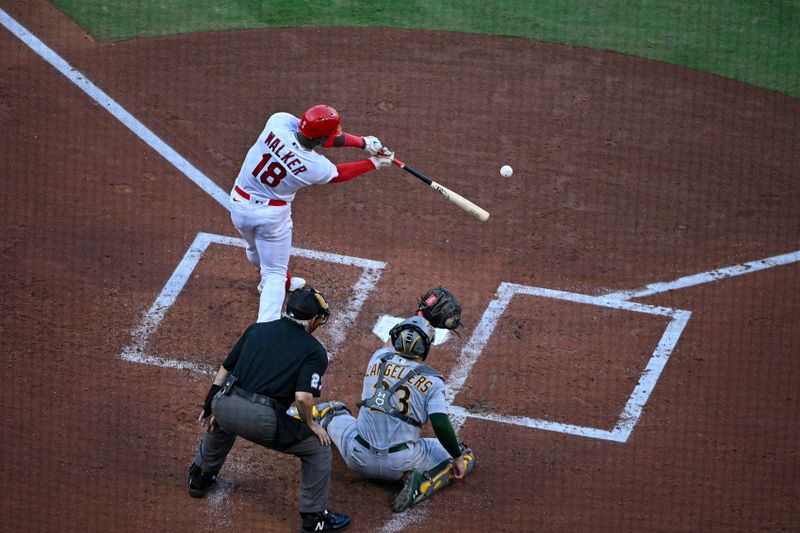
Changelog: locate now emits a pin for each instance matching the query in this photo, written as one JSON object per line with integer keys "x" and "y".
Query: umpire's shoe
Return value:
{"x": 200, "y": 482}
{"x": 324, "y": 521}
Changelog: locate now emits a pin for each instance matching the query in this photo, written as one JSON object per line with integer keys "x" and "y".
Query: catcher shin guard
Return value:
{"x": 422, "y": 485}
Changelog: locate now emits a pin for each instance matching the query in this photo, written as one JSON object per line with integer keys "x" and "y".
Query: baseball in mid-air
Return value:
{"x": 506, "y": 171}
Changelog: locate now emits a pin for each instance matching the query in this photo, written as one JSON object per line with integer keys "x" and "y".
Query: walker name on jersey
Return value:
{"x": 397, "y": 372}
{"x": 280, "y": 151}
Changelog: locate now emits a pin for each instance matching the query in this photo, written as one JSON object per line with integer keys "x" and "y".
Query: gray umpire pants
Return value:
{"x": 257, "y": 423}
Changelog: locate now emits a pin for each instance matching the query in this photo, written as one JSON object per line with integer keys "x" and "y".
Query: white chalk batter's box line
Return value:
{"x": 136, "y": 352}
{"x": 152, "y": 318}
{"x": 636, "y": 401}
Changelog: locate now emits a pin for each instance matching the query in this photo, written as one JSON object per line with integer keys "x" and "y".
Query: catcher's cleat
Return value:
{"x": 410, "y": 493}
{"x": 469, "y": 457}
{"x": 323, "y": 412}
{"x": 200, "y": 482}
{"x": 324, "y": 521}
{"x": 469, "y": 461}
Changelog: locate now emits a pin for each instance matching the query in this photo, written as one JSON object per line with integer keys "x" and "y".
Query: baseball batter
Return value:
{"x": 399, "y": 395}
{"x": 282, "y": 161}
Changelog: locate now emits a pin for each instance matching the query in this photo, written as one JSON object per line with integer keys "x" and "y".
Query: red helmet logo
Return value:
{"x": 320, "y": 121}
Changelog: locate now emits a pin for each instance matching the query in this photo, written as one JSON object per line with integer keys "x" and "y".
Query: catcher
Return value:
{"x": 399, "y": 395}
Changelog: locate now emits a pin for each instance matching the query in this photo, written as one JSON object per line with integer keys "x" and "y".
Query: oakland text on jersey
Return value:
{"x": 288, "y": 157}
{"x": 397, "y": 372}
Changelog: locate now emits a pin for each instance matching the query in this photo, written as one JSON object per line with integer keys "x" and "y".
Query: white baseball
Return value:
{"x": 506, "y": 171}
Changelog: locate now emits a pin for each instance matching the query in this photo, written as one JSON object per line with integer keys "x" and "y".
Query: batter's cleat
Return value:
{"x": 324, "y": 521}
{"x": 200, "y": 482}
{"x": 410, "y": 493}
{"x": 294, "y": 283}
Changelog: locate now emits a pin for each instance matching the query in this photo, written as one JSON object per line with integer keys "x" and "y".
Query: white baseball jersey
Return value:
{"x": 417, "y": 398}
{"x": 277, "y": 166}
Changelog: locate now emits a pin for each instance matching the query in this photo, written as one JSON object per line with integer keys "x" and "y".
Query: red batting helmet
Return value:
{"x": 320, "y": 121}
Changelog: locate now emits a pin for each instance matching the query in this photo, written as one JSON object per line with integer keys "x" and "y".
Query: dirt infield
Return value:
{"x": 627, "y": 173}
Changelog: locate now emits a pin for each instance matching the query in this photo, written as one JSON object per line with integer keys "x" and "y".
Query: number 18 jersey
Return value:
{"x": 277, "y": 166}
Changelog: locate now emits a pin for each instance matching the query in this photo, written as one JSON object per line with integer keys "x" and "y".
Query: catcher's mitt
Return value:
{"x": 440, "y": 308}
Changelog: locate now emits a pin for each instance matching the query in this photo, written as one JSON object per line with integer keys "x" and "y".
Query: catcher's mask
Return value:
{"x": 320, "y": 121}
{"x": 412, "y": 338}
{"x": 307, "y": 303}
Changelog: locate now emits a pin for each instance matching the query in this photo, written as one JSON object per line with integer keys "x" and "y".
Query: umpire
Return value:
{"x": 271, "y": 366}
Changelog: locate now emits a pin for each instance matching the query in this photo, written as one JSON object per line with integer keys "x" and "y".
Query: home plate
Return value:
{"x": 386, "y": 322}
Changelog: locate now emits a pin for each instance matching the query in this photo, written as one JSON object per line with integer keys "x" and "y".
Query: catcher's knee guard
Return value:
{"x": 323, "y": 412}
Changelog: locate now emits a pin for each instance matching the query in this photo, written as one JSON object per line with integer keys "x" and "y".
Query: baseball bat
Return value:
{"x": 460, "y": 201}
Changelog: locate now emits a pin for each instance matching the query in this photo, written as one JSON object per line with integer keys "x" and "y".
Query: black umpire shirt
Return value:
{"x": 276, "y": 359}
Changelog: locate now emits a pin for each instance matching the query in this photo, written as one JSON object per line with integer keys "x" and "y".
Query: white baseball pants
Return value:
{"x": 267, "y": 229}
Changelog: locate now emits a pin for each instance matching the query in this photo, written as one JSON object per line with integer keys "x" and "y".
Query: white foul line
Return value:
{"x": 97, "y": 94}
{"x": 369, "y": 277}
{"x": 647, "y": 380}
{"x": 707, "y": 277}
{"x": 620, "y": 300}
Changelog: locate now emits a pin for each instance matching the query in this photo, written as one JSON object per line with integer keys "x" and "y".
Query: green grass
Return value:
{"x": 753, "y": 41}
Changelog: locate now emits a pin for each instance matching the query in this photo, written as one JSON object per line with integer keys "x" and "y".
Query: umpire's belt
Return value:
{"x": 397, "y": 448}
{"x": 255, "y": 398}
{"x": 266, "y": 201}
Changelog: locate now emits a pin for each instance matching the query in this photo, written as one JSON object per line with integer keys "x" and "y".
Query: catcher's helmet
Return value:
{"x": 412, "y": 338}
{"x": 320, "y": 121}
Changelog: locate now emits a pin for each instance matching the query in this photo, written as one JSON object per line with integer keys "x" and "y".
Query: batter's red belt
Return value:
{"x": 397, "y": 448}
{"x": 246, "y": 195}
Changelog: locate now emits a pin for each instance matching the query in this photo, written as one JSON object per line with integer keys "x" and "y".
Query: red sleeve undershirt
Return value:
{"x": 350, "y": 141}
{"x": 348, "y": 171}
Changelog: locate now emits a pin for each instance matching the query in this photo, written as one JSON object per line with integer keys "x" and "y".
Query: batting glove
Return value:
{"x": 373, "y": 145}
{"x": 382, "y": 160}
